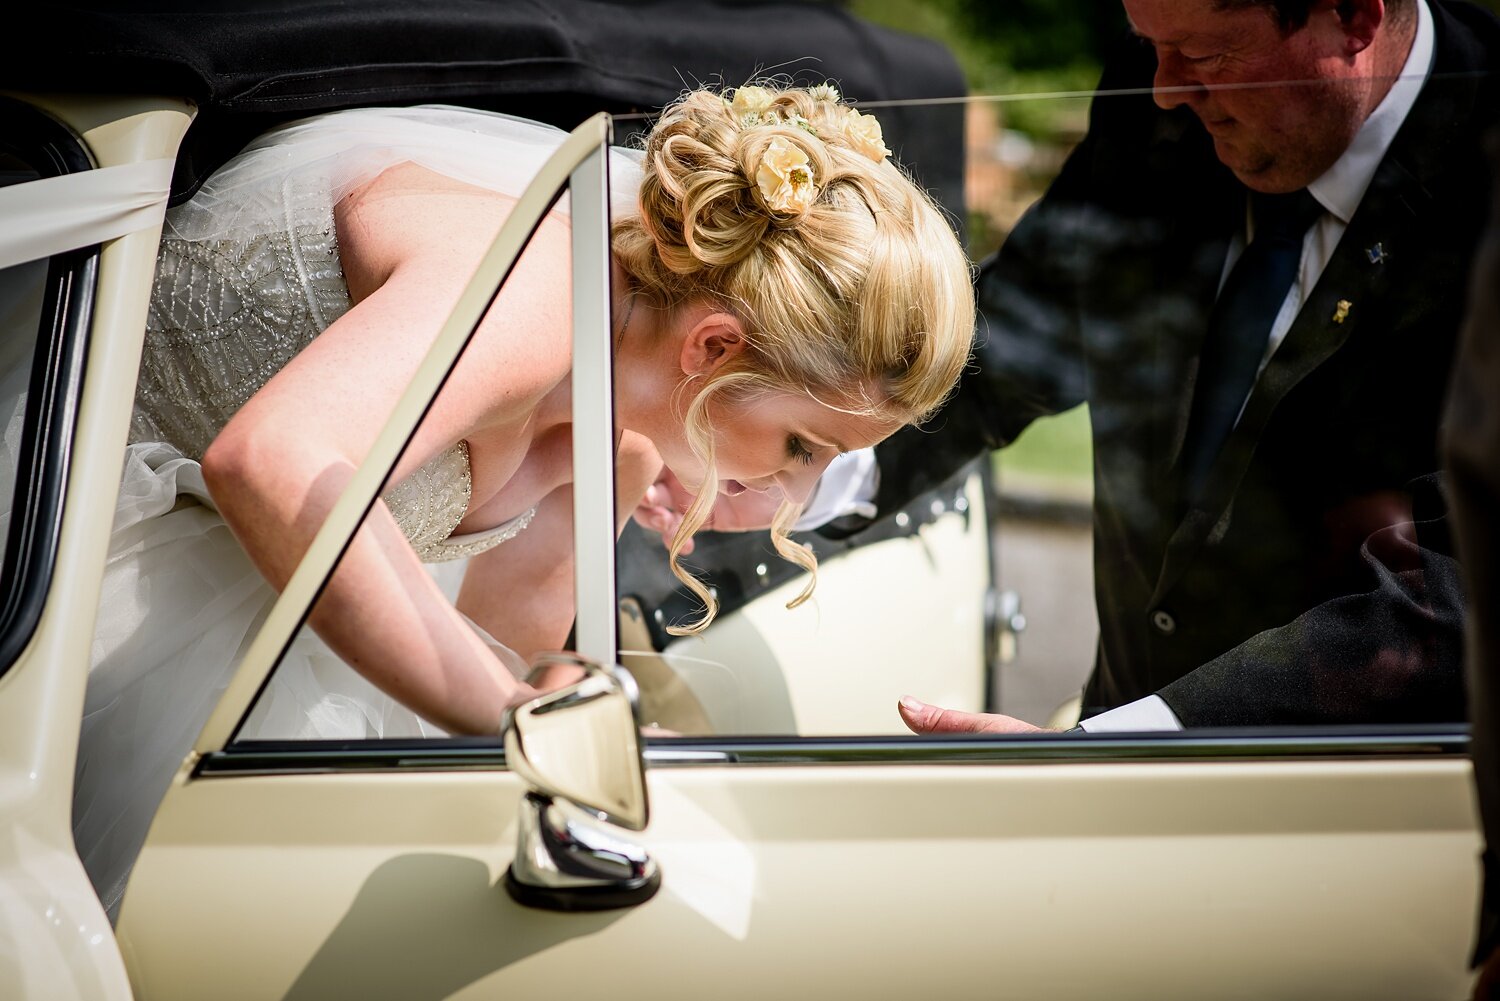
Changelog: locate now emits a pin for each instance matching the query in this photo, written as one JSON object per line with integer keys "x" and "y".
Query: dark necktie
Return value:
{"x": 1239, "y": 327}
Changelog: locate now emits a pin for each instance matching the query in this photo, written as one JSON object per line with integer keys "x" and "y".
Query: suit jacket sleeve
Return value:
{"x": 1393, "y": 653}
{"x": 1028, "y": 358}
{"x": 1472, "y": 450}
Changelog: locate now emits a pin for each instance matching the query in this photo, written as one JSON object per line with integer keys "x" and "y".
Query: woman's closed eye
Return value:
{"x": 796, "y": 450}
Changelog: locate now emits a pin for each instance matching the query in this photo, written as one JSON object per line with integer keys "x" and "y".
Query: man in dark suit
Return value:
{"x": 1269, "y": 547}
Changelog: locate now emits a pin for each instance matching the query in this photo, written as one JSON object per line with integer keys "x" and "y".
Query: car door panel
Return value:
{"x": 1254, "y": 879}
{"x": 1009, "y": 870}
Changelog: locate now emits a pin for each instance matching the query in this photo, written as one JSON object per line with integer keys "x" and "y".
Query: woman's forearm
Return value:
{"x": 381, "y": 612}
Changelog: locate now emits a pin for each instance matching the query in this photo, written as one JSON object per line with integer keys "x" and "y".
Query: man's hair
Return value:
{"x": 1292, "y": 14}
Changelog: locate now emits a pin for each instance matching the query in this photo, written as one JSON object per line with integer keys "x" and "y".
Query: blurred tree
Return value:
{"x": 1041, "y": 34}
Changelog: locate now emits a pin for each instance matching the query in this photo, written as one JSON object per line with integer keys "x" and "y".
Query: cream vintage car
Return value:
{"x": 791, "y": 842}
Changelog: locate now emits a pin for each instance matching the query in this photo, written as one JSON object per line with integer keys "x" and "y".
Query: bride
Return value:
{"x": 783, "y": 293}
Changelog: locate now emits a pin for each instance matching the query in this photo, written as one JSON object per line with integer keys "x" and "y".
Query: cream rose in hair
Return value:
{"x": 785, "y": 179}
{"x": 751, "y": 101}
{"x": 778, "y": 206}
{"x": 864, "y": 134}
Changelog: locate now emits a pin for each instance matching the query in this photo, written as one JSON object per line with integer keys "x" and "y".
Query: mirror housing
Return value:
{"x": 579, "y": 749}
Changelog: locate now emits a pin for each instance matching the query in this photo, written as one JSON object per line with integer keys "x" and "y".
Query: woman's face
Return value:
{"x": 775, "y": 441}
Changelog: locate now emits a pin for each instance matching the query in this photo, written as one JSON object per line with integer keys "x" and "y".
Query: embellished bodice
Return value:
{"x": 227, "y": 313}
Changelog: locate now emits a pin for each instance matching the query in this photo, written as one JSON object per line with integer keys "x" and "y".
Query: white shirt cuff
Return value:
{"x": 847, "y": 486}
{"x": 1150, "y": 713}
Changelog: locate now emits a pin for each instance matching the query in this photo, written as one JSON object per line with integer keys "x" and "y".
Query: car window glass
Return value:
{"x": 1295, "y": 571}
{"x": 461, "y": 573}
{"x": 1291, "y": 571}
{"x": 21, "y": 293}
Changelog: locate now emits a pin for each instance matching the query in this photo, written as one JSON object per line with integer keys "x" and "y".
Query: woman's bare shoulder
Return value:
{"x": 406, "y": 213}
{"x": 415, "y": 236}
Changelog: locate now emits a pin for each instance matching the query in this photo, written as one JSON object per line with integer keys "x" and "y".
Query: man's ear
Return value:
{"x": 712, "y": 340}
{"x": 1360, "y": 22}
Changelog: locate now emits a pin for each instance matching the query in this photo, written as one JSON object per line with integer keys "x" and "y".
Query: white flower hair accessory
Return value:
{"x": 863, "y": 133}
{"x": 785, "y": 178}
{"x": 750, "y": 101}
{"x": 825, "y": 92}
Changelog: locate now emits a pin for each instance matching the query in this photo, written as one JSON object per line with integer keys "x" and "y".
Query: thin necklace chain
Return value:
{"x": 626, "y": 325}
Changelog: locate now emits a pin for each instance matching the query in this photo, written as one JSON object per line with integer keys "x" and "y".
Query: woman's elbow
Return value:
{"x": 238, "y": 468}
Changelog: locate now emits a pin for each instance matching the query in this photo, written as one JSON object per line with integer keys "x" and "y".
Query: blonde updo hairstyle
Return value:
{"x": 779, "y": 205}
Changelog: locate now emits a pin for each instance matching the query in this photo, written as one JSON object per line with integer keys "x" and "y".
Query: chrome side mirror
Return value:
{"x": 578, "y": 748}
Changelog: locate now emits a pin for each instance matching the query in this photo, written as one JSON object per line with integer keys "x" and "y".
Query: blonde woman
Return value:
{"x": 783, "y": 292}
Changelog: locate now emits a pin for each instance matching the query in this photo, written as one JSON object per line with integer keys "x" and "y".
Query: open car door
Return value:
{"x": 1260, "y": 864}
{"x": 1264, "y": 865}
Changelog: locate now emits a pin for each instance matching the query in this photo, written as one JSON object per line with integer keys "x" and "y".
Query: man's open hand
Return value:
{"x": 923, "y": 718}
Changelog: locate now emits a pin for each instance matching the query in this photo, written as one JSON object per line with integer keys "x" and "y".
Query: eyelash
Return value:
{"x": 796, "y": 450}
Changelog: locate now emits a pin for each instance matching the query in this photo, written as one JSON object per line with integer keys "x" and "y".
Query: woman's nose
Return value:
{"x": 796, "y": 482}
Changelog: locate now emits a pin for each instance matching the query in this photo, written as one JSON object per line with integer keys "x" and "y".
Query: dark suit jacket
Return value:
{"x": 1472, "y": 445}
{"x": 1290, "y": 593}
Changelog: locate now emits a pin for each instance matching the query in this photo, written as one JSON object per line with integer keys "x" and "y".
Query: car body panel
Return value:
{"x": 1252, "y": 879}
{"x": 836, "y": 665}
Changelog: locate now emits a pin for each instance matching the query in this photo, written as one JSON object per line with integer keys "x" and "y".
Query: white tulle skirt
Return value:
{"x": 180, "y": 603}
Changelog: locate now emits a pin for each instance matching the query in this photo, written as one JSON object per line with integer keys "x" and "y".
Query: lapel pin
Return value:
{"x": 1377, "y": 254}
{"x": 1341, "y": 311}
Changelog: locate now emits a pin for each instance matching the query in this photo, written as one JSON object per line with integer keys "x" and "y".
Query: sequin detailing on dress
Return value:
{"x": 226, "y": 315}
{"x": 429, "y": 504}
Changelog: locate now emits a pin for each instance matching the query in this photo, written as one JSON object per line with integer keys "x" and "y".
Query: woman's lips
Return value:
{"x": 731, "y": 487}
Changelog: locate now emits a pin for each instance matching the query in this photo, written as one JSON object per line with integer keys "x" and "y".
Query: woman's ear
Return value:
{"x": 713, "y": 339}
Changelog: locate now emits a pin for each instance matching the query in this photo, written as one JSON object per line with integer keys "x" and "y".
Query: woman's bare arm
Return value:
{"x": 521, "y": 592}
{"x": 279, "y": 465}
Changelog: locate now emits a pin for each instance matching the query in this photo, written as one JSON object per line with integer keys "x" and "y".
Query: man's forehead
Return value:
{"x": 1175, "y": 22}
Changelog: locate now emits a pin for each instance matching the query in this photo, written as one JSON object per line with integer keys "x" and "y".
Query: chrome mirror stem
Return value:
{"x": 566, "y": 861}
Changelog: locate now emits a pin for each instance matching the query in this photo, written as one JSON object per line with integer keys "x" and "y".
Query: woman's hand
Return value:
{"x": 666, "y": 501}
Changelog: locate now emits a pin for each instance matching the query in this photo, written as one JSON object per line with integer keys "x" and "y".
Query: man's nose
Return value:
{"x": 1172, "y": 86}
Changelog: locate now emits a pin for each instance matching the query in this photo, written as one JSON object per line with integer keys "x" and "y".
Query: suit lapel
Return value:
{"x": 1188, "y": 281}
{"x": 1347, "y": 294}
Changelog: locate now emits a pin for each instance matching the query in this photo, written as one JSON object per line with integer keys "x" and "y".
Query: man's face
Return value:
{"x": 1281, "y": 107}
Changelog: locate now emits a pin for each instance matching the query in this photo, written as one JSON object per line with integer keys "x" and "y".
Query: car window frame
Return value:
{"x": 579, "y": 168}
{"x": 61, "y": 351}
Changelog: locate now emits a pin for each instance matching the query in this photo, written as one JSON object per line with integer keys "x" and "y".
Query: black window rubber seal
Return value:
{"x": 51, "y": 149}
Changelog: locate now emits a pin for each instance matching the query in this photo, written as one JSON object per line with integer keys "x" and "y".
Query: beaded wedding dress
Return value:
{"x": 247, "y": 275}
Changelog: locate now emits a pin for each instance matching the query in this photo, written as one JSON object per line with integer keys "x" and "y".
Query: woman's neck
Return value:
{"x": 642, "y": 370}
{"x": 644, "y": 361}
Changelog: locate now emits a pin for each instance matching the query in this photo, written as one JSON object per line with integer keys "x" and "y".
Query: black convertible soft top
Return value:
{"x": 253, "y": 63}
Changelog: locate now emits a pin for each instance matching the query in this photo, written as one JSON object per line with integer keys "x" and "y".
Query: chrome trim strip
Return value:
{"x": 596, "y": 612}
{"x": 485, "y": 754}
